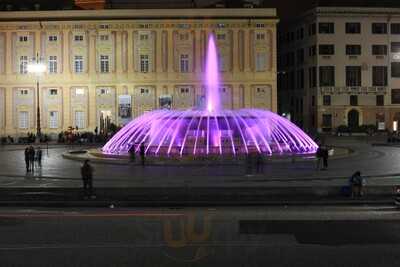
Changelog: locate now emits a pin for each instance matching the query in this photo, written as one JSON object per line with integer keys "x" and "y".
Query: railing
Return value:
{"x": 354, "y": 90}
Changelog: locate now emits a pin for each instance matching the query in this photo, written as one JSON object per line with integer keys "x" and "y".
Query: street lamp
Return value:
{"x": 37, "y": 68}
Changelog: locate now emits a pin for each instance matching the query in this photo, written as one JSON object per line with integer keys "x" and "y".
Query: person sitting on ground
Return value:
{"x": 357, "y": 184}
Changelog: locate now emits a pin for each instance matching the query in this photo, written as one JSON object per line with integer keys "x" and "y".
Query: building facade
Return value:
{"x": 341, "y": 66}
{"x": 118, "y": 64}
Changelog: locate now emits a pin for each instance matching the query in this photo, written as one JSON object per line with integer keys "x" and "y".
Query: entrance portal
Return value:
{"x": 353, "y": 119}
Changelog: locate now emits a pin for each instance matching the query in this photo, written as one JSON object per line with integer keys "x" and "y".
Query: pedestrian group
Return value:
{"x": 33, "y": 158}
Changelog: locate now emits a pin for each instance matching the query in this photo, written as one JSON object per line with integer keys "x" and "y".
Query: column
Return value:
{"x": 92, "y": 67}
{"x": 197, "y": 52}
{"x": 118, "y": 52}
{"x": 235, "y": 51}
{"x": 66, "y": 67}
{"x": 170, "y": 61}
{"x": 8, "y": 54}
{"x": 8, "y": 101}
{"x": 66, "y": 91}
{"x": 158, "y": 53}
{"x": 92, "y": 121}
{"x": 130, "y": 52}
{"x": 246, "y": 50}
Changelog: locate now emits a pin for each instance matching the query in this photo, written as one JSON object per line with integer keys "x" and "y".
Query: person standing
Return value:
{"x": 32, "y": 158}
{"x": 26, "y": 154}
{"x": 260, "y": 163}
{"x": 142, "y": 153}
{"x": 132, "y": 154}
{"x": 87, "y": 178}
{"x": 325, "y": 156}
{"x": 318, "y": 154}
{"x": 356, "y": 184}
{"x": 39, "y": 157}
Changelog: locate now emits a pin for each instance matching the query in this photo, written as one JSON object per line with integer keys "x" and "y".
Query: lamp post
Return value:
{"x": 37, "y": 68}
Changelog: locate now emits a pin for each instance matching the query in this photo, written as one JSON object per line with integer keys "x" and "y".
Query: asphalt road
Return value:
{"x": 273, "y": 236}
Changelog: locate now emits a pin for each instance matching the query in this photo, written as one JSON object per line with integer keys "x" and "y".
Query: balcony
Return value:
{"x": 354, "y": 90}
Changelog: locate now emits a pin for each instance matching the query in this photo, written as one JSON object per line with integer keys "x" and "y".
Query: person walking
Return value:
{"x": 325, "y": 156}
{"x": 87, "y": 179}
{"x": 142, "y": 153}
{"x": 318, "y": 154}
{"x": 260, "y": 163}
{"x": 26, "y": 154}
{"x": 39, "y": 157}
{"x": 32, "y": 158}
{"x": 356, "y": 184}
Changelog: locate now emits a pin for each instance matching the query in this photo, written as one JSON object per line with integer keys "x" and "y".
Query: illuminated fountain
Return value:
{"x": 213, "y": 131}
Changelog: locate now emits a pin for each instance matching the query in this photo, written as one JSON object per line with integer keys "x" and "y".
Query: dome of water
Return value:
{"x": 213, "y": 131}
{"x": 198, "y": 132}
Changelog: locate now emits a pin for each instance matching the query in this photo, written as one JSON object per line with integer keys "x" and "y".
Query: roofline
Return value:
{"x": 137, "y": 14}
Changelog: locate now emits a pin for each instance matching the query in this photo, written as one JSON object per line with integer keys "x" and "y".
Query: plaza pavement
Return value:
{"x": 378, "y": 164}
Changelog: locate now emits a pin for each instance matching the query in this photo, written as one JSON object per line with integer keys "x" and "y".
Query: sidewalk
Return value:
{"x": 179, "y": 196}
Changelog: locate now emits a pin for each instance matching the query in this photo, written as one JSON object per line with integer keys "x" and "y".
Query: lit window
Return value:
{"x": 78, "y": 38}
{"x": 53, "y": 38}
{"x": 52, "y": 64}
{"x": 23, "y": 120}
{"x": 78, "y": 64}
{"x": 23, "y": 65}
{"x": 144, "y": 63}
{"x": 104, "y": 64}
{"x": 79, "y": 91}
{"x": 53, "y": 120}
{"x": 184, "y": 63}
{"x": 80, "y": 121}
{"x": 23, "y": 38}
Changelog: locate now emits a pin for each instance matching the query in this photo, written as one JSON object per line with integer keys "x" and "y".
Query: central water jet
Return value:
{"x": 212, "y": 77}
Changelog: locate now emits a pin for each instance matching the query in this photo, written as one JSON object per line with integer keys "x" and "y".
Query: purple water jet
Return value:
{"x": 213, "y": 131}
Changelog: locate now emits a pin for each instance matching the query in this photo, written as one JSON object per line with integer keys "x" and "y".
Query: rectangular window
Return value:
{"x": 24, "y": 92}
{"x": 379, "y": 50}
{"x": 260, "y": 36}
{"x": 23, "y": 64}
{"x": 326, "y": 28}
{"x": 380, "y": 100}
{"x": 312, "y": 29}
{"x": 79, "y": 91}
{"x": 53, "y": 120}
{"x": 326, "y": 100}
{"x": 379, "y": 76}
{"x": 353, "y": 27}
{"x": 395, "y": 28}
{"x": 184, "y": 63}
{"x": 220, "y": 36}
{"x": 327, "y": 76}
{"x": 104, "y": 64}
{"x": 300, "y": 56}
{"x": 78, "y": 64}
{"x": 105, "y": 91}
{"x": 260, "y": 61}
{"x": 184, "y": 90}
{"x": 144, "y": 91}
{"x": 312, "y": 77}
{"x": 353, "y": 50}
{"x": 23, "y": 39}
{"x": 395, "y": 96}
{"x": 312, "y": 51}
{"x": 144, "y": 37}
{"x": 326, "y": 49}
{"x": 78, "y": 38}
{"x": 353, "y": 76}
{"x": 395, "y": 47}
{"x": 379, "y": 28}
{"x": 80, "y": 121}
{"x": 353, "y": 100}
{"x": 23, "y": 120}
{"x": 53, "y": 38}
{"x": 396, "y": 69}
{"x": 300, "y": 79}
{"x": 144, "y": 63}
{"x": 53, "y": 92}
{"x": 104, "y": 37}
{"x": 52, "y": 64}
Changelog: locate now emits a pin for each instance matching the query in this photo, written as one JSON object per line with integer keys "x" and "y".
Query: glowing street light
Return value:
{"x": 37, "y": 68}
